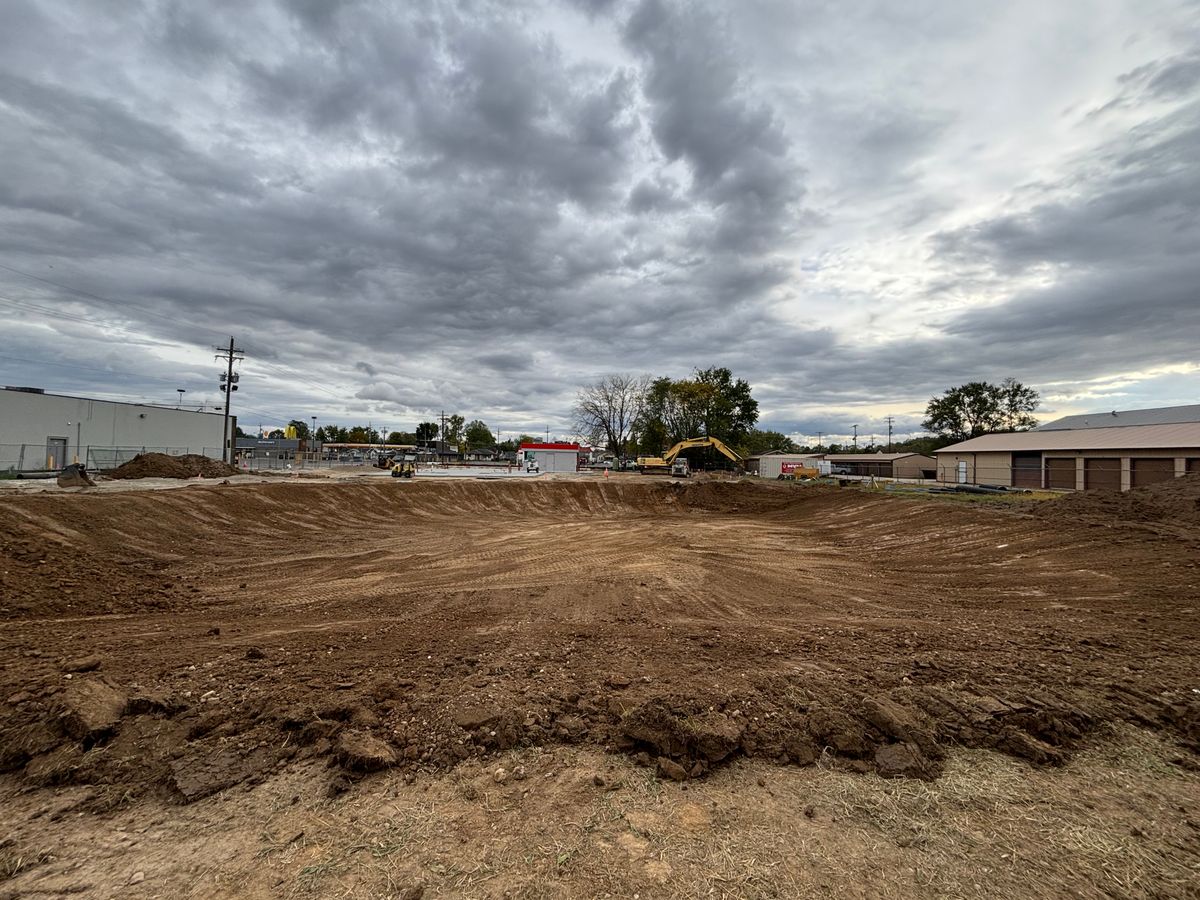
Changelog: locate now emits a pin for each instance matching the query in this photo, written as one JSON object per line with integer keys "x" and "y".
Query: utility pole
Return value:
{"x": 890, "y": 419}
{"x": 228, "y": 385}
{"x": 820, "y": 434}
{"x": 855, "y": 437}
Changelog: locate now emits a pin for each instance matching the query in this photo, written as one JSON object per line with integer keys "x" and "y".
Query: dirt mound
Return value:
{"x": 1174, "y": 504}
{"x": 160, "y": 465}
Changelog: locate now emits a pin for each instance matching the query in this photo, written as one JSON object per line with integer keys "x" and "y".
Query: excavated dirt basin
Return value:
{"x": 178, "y": 643}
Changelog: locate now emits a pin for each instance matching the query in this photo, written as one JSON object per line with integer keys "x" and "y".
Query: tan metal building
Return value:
{"x": 1063, "y": 456}
{"x": 885, "y": 465}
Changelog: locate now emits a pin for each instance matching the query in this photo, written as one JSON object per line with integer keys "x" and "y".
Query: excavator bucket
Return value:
{"x": 75, "y": 475}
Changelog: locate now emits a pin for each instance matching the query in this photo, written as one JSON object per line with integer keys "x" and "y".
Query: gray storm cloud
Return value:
{"x": 480, "y": 206}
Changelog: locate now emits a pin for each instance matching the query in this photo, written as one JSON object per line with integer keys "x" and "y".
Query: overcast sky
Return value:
{"x": 399, "y": 208}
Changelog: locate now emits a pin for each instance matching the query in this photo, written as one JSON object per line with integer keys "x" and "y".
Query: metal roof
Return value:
{"x": 1163, "y": 415}
{"x": 776, "y": 454}
{"x": 1129, "y": 437}
{"x": 868, "y": 457}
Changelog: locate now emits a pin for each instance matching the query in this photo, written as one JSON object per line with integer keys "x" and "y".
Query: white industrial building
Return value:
{"x": 550, "y": 457}
{"x": 47, "y": 431}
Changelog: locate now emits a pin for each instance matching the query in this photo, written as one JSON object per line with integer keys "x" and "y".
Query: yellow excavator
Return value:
{"x": 673, "y": 464}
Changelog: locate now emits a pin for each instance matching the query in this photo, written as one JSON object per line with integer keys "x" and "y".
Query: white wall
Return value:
{"x": 33, "y": 418}
{"x": 772, "y": 466}
{"x": 552, "y": 460}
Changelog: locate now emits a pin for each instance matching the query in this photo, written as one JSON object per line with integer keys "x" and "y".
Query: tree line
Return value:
{"x": 630, "y": 415}
{"x": 640, "y": 414}
{"x": 460, "y": 435}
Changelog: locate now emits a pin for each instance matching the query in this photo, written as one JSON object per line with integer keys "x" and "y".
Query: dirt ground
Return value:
{"x": 584, "y": 688}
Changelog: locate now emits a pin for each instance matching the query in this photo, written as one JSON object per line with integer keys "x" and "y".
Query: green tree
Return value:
{"x": 731, "y": 411}
{"x": 478, "y": 435}
{"x": 426, "y": 432}
{"x": 454, "y": 430}
{"x": 978, "y": 407}
{"x": 711, "y": 404}
{"x": 361, "y": 434}
{"x": 758, "y": 441}
{"x": 401, "y": 437}
{"x": 276, "y": 434}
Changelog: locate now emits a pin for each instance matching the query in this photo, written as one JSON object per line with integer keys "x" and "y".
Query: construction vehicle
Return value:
{"x": 680, "y": 468}
{"x": 665, "y": 463}
{"x": 403, "y": 467}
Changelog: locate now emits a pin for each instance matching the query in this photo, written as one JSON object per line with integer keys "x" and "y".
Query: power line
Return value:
{"x": 60, "y": 365}
{"x": 174, "y": 320}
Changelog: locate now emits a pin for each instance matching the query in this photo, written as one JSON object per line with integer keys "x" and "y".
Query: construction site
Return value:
{"x": 618, "y": 686}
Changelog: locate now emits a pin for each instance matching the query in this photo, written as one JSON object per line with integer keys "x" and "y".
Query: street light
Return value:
{"x": 855, "y": 437}
{"x": 312, "y": 438}
{"x": 181, "y": 392}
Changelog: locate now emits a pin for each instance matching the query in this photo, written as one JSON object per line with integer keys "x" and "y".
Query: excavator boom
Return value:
{"x": 718, "y": 445}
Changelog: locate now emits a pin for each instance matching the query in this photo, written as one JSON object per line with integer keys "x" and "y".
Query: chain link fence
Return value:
{"x": 16, "y": 459}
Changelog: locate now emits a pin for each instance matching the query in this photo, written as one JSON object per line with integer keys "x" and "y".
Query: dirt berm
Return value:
{"x": 185, "y": 641}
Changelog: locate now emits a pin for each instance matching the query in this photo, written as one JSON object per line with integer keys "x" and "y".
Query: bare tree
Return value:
{"x": 610, "y": 407}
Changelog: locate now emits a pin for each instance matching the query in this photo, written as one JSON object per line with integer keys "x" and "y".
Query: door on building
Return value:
{"x": 56, "y": 452}
{"x": 1102, "y": 474}
{"x": 1193, "y": 466}
{"x": 962, "y": 471}
{"x": 1149, "y": 471}
{"x": 1060, "y": 474}
{"x": 1027, "y": 470}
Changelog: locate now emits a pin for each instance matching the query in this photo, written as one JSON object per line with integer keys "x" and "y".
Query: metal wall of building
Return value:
{"x": 554, "y": 460}
{"x": 35, "y": 420}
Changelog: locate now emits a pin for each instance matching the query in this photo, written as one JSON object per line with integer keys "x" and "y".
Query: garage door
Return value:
{"x": 1060, "y": 473}
{"x": 1149, "y": 471}
{"x": 1102, "y": 474}
{"x": 1027, "y": 470}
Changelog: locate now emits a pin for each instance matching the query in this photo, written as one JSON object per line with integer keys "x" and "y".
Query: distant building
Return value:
{"x": 882, "y": 465}
{"x": 885, "y": 465}
{"x": 550, "y": 457}
{"x": 1097, "y": 451}
{"x": 774, "y": 463}
{"x": 268, "y": 448}
{"x": 40, "y": 430}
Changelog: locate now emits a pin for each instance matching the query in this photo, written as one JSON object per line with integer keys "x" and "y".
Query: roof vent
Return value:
{"x": 25, "y": 390}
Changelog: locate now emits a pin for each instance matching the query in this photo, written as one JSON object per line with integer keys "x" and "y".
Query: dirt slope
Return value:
{"x": 183, "y": 642}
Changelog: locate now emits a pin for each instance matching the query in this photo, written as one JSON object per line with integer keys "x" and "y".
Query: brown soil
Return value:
{"x": 160, "y": 465}
{"x": 178, "y": 643}
{"x": 1171, "y": 506}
